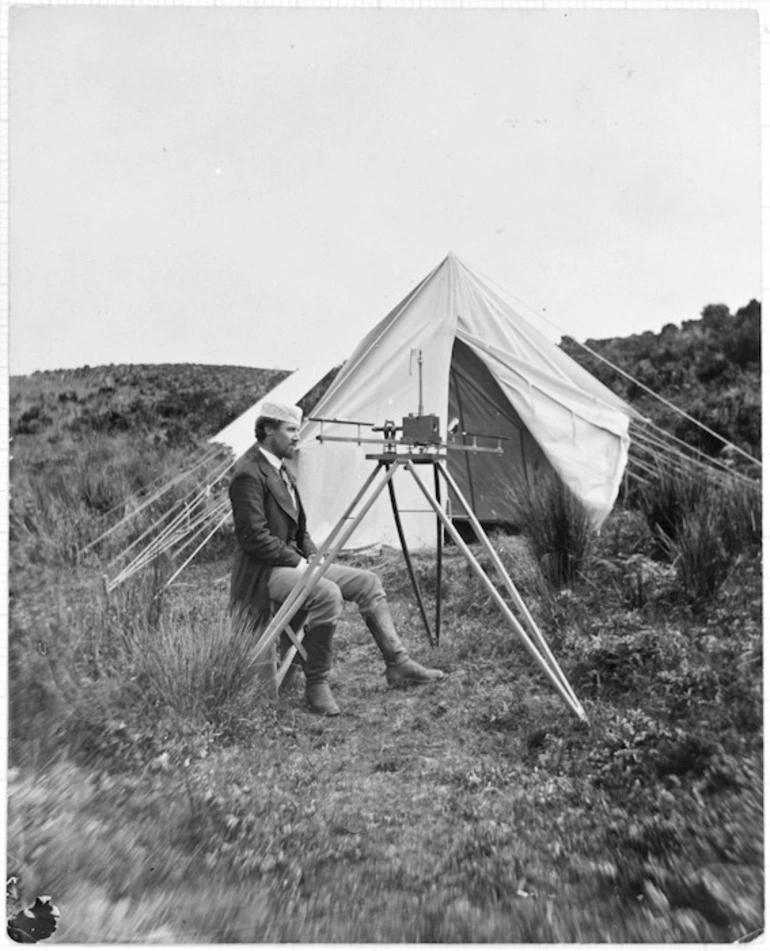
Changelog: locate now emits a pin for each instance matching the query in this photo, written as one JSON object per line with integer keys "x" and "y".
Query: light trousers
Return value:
{"x": 324, "y": 604}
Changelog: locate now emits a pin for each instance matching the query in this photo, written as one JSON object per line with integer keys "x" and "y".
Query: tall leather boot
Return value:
{"x": 318, "y": 644}
{"x": 400, "y": 669}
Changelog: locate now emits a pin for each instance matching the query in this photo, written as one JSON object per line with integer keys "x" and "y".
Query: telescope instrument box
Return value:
{"x": 421, "y": 430}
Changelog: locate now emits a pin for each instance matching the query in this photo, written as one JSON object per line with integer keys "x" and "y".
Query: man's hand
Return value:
{"x": 304, "y": 562}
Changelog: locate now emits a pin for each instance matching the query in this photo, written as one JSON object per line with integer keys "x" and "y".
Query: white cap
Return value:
{"x": 283, "y": 412}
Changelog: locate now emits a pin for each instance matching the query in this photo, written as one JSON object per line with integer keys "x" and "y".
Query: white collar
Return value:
{"x": 274, "y": 461}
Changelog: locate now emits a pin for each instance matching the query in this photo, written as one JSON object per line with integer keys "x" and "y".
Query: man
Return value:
{"x": 272, "y": 548}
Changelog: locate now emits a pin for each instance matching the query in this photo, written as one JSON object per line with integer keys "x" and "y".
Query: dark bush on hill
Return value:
{"x": 692, "y": 366}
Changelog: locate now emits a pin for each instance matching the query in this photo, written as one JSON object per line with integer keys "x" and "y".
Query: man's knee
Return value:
{"x": 325, "y": 604}
{"x": 372, "y": 592}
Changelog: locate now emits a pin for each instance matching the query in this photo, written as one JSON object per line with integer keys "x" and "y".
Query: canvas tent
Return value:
{"x": 484, "y": 367}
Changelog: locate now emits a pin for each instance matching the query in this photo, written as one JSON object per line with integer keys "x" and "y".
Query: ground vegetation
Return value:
{"x": 157, "y": 795}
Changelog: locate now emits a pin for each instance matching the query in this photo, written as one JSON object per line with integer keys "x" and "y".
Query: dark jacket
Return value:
{"x": 270, "y": 532}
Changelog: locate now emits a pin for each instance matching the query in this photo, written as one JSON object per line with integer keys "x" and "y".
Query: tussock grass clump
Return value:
{"x": 114, "y": 675}
{"x": 742, "y": 516}
{"x": 668, "y": 499}
{"x": 701, "y": 526}
{"x": 189, "y": 670}
{"x": 197, "y": 663}
{"x": 557, "y": 526}
{"x": 699, "y": 552}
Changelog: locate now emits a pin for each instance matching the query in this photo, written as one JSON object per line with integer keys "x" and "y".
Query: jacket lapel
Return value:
{"x": 278, "y": 489}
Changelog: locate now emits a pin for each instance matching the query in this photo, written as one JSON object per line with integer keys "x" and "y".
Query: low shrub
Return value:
{"x": 637, "y": 746}
{"x": 624, "y": 534}
{"x": 610, "y": 662}
{"x": 638, "y": 581}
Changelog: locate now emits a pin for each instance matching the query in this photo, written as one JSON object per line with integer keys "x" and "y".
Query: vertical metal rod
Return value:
{"x": 510, "y": 586}
{"x": 408, "y": 560}
{"x": 419, "y": 373}
{"x": 439, "y": 552}
{"x": 566, "y": 695}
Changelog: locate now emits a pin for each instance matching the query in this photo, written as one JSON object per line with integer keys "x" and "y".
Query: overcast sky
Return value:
{"x": 260, "y": 186}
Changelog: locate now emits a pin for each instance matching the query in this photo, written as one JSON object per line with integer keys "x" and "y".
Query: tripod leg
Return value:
{"x": 285, "y": 665}
{"x": 296, "y": 639}
{"x": 408, "y": 560}
{"x": 439, "y": 552}
{"x": 566, "y": 695}
{"x": 529, "y": 621}
{"x": 328, "y": 541}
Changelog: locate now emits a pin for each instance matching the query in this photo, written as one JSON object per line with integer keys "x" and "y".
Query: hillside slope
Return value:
{"x": 710, "y": 368}
{"x": 177, "y": 403}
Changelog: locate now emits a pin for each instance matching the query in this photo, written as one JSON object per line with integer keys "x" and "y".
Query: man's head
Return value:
{"x": 277, "y": 428}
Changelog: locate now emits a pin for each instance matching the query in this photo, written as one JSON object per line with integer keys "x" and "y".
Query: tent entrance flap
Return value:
{"x": 479, "y": 405}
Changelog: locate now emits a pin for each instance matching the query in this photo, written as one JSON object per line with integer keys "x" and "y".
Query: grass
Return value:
{"x": 474, "y": 811}
{"x": 556, "y": 525}
{"x": 701, "y": 527}
{"x": 159, "y": 797}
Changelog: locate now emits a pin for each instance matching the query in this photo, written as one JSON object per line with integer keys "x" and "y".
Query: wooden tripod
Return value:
{"x": 382, "y": 475}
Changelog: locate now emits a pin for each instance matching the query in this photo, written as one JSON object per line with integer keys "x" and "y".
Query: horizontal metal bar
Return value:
{"x": 498, "y": 451}
{"x": 404, "y": 457}
{"x": 343, "y": 422}
{"x": 321, "y": 438}
{"x": 382, "y": 442}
